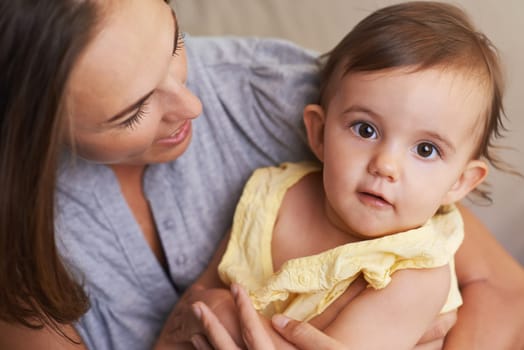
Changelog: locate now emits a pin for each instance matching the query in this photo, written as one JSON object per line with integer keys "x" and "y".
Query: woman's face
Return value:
{"x": 127, "y": 99}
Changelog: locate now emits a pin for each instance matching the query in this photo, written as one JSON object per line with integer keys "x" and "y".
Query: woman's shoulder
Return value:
{"x": 222, "y": 50}
{"x": 272, "y": 69}
{"x": 253, "y": 81}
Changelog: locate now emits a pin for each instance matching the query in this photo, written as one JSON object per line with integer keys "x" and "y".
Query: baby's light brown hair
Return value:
{"x": 424, "y": 35}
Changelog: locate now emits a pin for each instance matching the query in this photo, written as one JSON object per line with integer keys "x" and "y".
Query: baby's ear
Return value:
{"x": 314, "y": 119}
{"x": 472, "y": 176}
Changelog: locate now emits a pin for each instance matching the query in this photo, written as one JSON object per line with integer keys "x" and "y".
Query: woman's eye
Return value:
{"x": 179, "y": 43}
{"x": 135, "y": 119}
{"x": 427, "y": 150}
{"x": 364, "y": 130}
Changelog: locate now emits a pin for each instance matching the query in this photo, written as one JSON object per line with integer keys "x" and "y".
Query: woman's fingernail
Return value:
{"x": 234, "y": 289}
{"x": 197, "y": 311}
{"x": 280, "y": 321}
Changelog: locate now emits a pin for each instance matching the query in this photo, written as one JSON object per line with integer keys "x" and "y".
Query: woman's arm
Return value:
{"x": 492, "y": 286}
{"x": 210, "y": 291}
{"x": 17, "y": 337}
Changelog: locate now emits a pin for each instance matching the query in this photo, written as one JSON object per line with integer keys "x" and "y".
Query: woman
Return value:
{"x": 105, "y": 92}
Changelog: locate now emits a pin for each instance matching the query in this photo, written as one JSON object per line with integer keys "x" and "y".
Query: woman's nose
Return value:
{"x": 385, "y": 164}
{"x": 180, "y": 103}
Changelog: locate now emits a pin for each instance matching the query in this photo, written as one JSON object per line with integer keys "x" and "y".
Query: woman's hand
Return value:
{"x": 301, "y": 334}
{"x": 182, "y": 324}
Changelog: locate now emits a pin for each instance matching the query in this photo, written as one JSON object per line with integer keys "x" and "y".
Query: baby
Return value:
{"x": 410, "y": 103}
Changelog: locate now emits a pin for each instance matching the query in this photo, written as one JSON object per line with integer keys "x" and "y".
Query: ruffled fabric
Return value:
{"x": 304, "y": 287}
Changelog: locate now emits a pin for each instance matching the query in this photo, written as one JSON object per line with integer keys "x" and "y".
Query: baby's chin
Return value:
{"x": 362, "y": 235}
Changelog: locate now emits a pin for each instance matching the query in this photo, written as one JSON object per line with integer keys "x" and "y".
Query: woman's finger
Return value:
{"x": 215, "y": 332}
{"x": 437, "y": 344}
{"x": 304, "y": 335}
{"x": 200, "y": 342}
{"x": 253, "y": 331}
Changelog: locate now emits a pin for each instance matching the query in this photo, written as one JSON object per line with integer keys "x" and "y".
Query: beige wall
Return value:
{"x": 320, "y": 24}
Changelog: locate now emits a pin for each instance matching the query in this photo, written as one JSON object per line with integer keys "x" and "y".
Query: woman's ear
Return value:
{"x": 314, "y": 120}
{"x": 472, "y": 176}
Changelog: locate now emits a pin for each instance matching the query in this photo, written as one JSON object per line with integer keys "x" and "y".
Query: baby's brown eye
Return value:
{"x": 364, "y": 130}
{"x": 425, "y": 150}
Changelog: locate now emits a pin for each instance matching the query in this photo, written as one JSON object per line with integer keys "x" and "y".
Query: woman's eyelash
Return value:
{"x": 133, "y": 121}
{"x": 179, "y": 43}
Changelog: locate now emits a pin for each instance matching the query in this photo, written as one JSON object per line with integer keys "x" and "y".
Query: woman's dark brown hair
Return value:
{"x": 39, "y": 43}
{"x": 423, "y": 35}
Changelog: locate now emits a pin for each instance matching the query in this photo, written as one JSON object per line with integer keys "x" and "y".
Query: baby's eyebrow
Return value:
{"x": 442, "y": 139}
{"x": 360, "y": 109}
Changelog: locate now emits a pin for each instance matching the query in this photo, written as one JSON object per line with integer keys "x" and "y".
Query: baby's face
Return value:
{"x": 397, "y": 145}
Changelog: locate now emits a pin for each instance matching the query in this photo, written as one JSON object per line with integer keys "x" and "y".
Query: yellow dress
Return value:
{"x": 306, "y": 286}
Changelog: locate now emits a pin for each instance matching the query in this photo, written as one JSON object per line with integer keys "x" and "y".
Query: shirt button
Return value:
{"x": 169, "y": 224}
{"x": 181, "y": 259}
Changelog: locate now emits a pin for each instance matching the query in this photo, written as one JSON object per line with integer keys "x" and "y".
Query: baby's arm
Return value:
{"x": 394, "y": 317}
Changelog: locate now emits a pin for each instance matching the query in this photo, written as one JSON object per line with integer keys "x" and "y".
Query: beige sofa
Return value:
{"x": 320, "y": 24}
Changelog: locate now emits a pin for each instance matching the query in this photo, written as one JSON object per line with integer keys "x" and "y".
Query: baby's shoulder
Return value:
{"x": 298, "y": 229}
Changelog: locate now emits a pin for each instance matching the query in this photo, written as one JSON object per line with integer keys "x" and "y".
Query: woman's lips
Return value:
{"x": 178, "y": 136}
